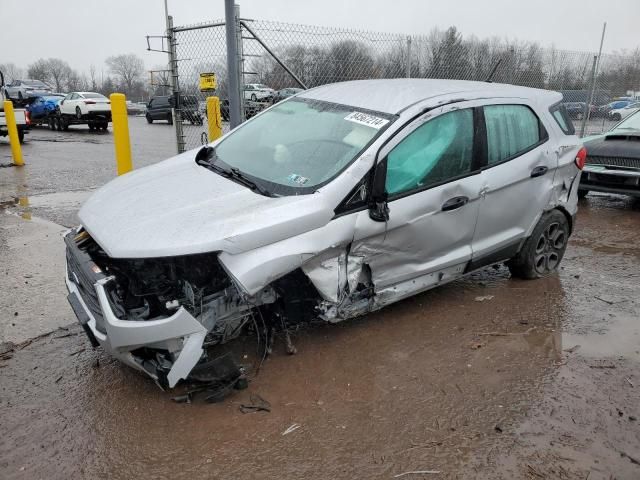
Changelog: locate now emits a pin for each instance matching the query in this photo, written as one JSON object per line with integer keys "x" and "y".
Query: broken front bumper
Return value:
{"x": 180, "y": 335}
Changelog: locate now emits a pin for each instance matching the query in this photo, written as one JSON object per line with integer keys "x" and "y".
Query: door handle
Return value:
{"x": 454, "y": 203}
{"x": 539, "y": 171}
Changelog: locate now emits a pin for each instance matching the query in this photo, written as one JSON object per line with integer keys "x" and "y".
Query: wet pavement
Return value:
{"x": 487, "y": 377}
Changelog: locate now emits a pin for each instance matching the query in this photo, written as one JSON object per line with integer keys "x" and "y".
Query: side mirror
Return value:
{"x": 378, "y": 206}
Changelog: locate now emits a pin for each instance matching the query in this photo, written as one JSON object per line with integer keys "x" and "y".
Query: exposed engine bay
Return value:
{"x": 153, "y": 290}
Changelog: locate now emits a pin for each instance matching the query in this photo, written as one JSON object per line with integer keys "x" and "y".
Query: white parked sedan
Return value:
{"x": 84, "y": 103}
{"x": 257, "y": 92}
{"x": 91, "y": 108}
{"x": 332, "y": 204}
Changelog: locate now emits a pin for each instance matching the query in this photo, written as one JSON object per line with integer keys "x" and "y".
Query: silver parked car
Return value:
{"x": 330, "y": 204}
{"x": 25, "y": 89}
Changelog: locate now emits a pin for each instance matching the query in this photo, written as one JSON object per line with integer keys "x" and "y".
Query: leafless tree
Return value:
{"x": 128, "y": 68}
{"x": 39, "y": 70}
{"x": 11, "y": 71}
{"x": 92, "y": 78}
{"x": 59, "y": 73}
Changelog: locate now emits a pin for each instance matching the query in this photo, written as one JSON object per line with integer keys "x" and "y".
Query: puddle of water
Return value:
{"x": 620, "y": 337}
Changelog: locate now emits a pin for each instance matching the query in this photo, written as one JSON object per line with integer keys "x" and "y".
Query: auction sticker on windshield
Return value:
{"x": 366, "y": 119}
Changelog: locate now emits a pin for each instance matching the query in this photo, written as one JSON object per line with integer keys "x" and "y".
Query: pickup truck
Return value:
{"x": 22, "y": 118}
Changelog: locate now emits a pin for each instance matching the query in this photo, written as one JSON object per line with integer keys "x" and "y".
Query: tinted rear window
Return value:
{"x": 511, "y": 131}
{"x": 93, "y": 95}
{"x": 560, "y": 115}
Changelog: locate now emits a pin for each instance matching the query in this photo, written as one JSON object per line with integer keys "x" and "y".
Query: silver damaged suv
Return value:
{"x": 331, "y": 204}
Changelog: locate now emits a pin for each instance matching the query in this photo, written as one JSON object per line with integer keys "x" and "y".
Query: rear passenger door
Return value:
{"x": 517, "y": 180}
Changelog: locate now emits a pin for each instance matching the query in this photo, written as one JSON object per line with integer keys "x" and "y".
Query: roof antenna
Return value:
{"x": 493, "y": 71}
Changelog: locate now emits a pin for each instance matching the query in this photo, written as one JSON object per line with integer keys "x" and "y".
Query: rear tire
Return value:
{"x": 21, "y": 136}
{"x": 92, "y": 127}
{"x": 52, "y": 125}
{"x": 149, "y": 119}
{"x": 582, "y": 193}
{"x": 542, "y": 252}
{"x": 59, "y": 123}
{"x": 170, "y": 119}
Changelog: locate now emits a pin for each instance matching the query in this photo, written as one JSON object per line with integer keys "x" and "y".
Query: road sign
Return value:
{"x": 207, "y": 81}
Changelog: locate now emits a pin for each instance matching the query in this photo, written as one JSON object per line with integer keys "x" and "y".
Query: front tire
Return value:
{"x": 170, "y": 119}
{"x": 542, "y": 252}
{"x": 149, "y": 119}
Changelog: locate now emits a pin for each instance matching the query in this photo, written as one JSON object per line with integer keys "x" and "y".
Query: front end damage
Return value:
{"x": 156, "y": 314}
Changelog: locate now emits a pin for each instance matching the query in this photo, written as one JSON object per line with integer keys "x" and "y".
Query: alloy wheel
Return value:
{"x": 549, "y": 248}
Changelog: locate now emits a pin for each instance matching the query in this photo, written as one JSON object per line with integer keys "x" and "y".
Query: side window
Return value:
{"x": 511, "y": 130}
{"x": 435, "y": 152}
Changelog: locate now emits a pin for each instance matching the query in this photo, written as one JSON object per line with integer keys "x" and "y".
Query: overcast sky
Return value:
{"x": 85, "y": 32}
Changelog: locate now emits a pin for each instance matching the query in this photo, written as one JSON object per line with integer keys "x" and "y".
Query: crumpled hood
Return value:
{"x": 177, "y": 207}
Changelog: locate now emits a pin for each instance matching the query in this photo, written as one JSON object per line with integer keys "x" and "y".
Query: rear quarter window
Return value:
{"x": 560, "y": 115}
{"x": 512, "y": 130}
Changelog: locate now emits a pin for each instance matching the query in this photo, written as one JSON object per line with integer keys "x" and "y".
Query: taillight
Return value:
{"x": 27, "y": 117}
{"x": 90, "y": 102}
{"x": 581, "y": 158}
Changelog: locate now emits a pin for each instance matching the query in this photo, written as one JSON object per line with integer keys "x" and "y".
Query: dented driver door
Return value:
{"x": 433, "y": 186}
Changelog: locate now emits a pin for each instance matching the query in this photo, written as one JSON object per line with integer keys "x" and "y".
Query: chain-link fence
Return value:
{"x": 320, "y": 55}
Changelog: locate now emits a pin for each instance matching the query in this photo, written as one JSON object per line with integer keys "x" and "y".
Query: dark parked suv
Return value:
{"x": 159, "y": 108}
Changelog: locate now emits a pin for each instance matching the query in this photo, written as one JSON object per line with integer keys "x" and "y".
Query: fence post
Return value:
{"x": 235, "y": 104}
{"x": 14, "y": 139}
{"x": 587, "y": 107}
{"x": 214, "y": 120}
{"x": 121, "y": 140}
{"x": 175, "y": 85}
{"x": 408, "y": 65}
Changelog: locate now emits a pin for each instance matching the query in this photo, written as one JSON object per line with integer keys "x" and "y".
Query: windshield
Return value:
{"x": 632, "y": 122}
{"x": 300, "y": 144}
{"x": 34, "y": 83}
{"x": 93, "y": 95}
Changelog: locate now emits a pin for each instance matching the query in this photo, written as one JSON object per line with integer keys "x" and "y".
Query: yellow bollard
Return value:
{"x": 10, "y": 118}
{"x": 214, "y": 118}
{"x": 121, "y": 133}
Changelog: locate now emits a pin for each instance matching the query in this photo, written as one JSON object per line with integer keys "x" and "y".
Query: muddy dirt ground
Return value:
{"x": 485, "y": 378}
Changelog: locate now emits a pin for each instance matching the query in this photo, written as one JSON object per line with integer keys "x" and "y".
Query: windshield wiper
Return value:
{"x": 240, "y": 177}
{"x": 206, "y": 157}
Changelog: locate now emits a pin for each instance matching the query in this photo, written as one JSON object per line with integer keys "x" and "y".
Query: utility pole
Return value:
{"x": 594, "y": 76}
{"x": 233, "y": 63}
